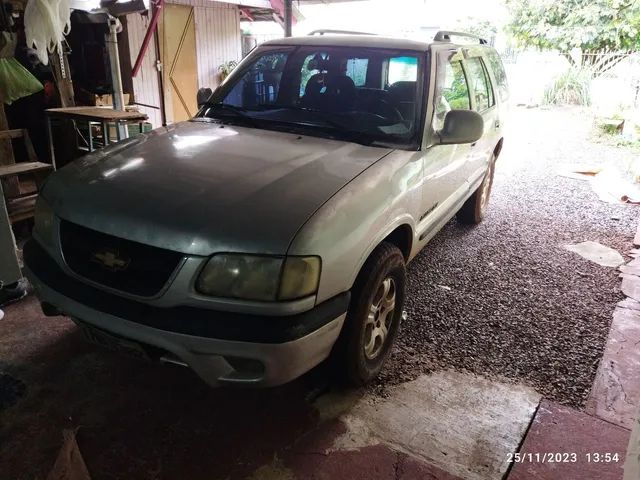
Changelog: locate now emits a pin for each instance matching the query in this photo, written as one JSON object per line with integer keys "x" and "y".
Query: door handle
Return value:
{"x": 497, "y": 124}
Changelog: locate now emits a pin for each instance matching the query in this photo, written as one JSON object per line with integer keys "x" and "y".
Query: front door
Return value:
{"x": 180, "y": 69}
{"x": 445, "y": 175}
{"x": 482, "y": 101}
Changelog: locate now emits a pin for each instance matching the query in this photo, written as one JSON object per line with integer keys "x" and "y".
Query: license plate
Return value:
{"x": 113, "y": 342}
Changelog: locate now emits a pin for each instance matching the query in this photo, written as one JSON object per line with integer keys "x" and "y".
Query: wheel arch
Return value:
{"x": 401, "y": 235}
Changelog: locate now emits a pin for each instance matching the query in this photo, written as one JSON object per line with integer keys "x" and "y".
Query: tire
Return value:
{"x": 367, "y": 337}
{"x": 475, "y": 208}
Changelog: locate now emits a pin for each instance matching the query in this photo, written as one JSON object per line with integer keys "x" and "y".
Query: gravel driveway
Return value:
{"x": 503, "y": 298}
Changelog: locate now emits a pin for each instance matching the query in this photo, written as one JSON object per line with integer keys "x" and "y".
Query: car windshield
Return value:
{"x": 365, "y": 95}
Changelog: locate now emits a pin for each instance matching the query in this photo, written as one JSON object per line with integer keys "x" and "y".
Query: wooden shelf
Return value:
{"x": 22, "y": 168}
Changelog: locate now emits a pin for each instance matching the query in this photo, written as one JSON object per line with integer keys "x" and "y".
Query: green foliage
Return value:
{"x": 482, "y": 28}
{"x": 572, "y": 87}
{"x": 590, "y": 25}
{"x": 458, "y": 94}
{"x": 226, "y": 68}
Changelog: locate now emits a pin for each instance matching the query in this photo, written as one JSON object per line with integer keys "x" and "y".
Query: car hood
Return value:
{"x": 202, "y": 188}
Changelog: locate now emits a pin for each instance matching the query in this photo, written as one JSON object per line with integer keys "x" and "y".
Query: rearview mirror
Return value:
{"x": 461, "y": 126}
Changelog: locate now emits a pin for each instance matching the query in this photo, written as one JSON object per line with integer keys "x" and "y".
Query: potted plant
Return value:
{"x": 226, "y": 68}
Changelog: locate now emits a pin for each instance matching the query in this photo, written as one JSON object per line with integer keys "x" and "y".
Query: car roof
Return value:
{"x": 358, "y": 41}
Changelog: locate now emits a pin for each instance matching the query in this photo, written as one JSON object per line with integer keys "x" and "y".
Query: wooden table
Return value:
{"x": 96, "y": 115}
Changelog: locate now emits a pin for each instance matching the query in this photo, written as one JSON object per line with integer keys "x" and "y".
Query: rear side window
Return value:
{"x": 497, "y": 68}
{"x": 356, "y": 69}
{"x": 479, "y": 78}
{"x": 451, "y": 91}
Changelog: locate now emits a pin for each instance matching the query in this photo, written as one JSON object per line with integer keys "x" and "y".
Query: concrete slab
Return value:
{"x": 631, "y": 286}
{"x": 597, "y": 253}
{"x": 562, "y": 430}
{"x": 616, "y": 390}
{"x": 464, "y": 424}
{"x": 636, "y": 238}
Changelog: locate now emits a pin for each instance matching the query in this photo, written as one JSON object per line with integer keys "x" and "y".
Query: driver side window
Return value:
{"x": 452, "y": 91}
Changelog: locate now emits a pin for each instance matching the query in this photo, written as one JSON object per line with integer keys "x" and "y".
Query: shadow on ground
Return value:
{"x": 136, "y": 420}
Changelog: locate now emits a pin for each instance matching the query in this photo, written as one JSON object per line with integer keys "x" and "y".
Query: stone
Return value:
{"x": 597, "y": 253}
{"x": 629, "y": 303}
{"x": 631, "y": 286}
{"x": 615, "y": 395}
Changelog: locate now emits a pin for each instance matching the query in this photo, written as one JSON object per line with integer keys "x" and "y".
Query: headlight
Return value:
{"x": 253, "y": 277}
{"x": 43, "y": 222}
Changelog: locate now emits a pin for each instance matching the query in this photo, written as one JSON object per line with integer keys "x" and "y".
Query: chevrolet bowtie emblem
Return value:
{"x": 111, "y": 260}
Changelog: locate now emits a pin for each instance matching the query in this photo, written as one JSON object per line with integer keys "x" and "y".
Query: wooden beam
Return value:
{"x": 62, "y": 76}
{"x": 11, "y": 185}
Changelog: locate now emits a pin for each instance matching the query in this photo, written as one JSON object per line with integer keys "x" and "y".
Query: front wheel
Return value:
{"x": 374, "y": 316}
{"x": 474, "y": 209}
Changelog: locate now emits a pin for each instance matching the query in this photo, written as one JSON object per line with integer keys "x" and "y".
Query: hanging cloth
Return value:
{"x": 15, "y": 80}
{"x": 46, "y": 22}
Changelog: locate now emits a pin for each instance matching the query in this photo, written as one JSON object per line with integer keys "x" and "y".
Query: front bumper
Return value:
{"x": 221, "y": 347}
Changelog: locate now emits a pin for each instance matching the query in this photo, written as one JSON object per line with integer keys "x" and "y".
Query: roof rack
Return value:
{"x": 445, "y": 36}
{"x": 322, "y": 31}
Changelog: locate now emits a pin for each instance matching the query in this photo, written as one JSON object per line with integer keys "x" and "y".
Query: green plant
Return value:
{"x": 572, "y": 87}
{"x": 226, "y": 68}
{"x": 604, "y": 31}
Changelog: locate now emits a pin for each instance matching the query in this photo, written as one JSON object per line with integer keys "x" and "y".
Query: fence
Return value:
{"x": 612, "y": 89}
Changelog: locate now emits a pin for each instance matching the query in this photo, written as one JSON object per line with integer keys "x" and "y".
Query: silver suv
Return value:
{"x": 273, "y": 230}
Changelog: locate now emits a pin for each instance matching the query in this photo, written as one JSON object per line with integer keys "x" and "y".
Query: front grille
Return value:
{"x": 117, "y": 263}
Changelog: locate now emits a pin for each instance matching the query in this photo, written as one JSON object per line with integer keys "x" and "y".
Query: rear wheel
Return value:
{"x": 374, "y": 316}
{"x": 474, "y": 209}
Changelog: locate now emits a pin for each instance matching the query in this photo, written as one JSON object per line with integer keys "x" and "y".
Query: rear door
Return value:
{"x": 445, "y": 175}
{"x": 483, "y": 101}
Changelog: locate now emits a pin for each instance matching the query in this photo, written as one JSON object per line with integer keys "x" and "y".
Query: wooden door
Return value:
{"x": 179, "y": 64}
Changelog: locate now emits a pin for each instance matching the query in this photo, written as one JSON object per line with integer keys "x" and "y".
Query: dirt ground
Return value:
{"x": 516, "y": 306}
{"x": 504, "y": 298}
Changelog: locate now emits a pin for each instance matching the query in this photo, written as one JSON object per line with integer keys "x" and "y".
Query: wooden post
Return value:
{"x": 65, "y": 141}
{"x": 288, "y": 18}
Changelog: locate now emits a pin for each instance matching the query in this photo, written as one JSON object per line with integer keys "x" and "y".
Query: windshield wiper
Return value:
{"x": 228, "y": 110}
{"x": 341, "y": 129}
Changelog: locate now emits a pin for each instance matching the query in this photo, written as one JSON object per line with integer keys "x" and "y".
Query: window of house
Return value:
{"x": 479, "y": 78}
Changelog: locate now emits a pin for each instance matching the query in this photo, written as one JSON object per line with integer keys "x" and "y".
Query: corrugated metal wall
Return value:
{"x": 145, "y": 84}
{"x": 217, "y": 41}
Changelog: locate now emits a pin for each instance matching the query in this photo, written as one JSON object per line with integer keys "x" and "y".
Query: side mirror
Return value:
{"x": 461, "y": 126}
{"x": 203, "y": 95}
